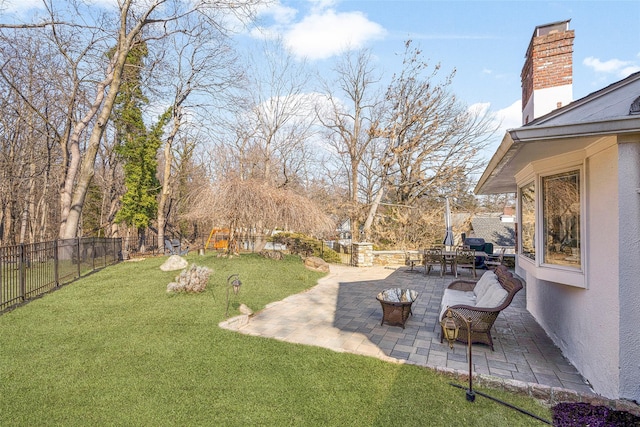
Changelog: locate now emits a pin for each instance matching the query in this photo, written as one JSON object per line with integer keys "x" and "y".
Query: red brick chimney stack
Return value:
{"x": 547, "y": 75}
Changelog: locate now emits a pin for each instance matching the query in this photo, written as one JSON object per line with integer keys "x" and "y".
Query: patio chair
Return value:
{"x": 432, "y": 257}
{"x": 465, "y": 258}
{"x": 493, "y": 261}
{"x": 412, "y": 260}
{"x": 173, "y": 247}
{"x": 168, "y": 248}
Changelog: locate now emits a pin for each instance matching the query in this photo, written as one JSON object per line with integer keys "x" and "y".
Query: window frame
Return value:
{"x": 530, "y": 256}
{"x": 535, "y": 172}
{"x": 543, "y": 218}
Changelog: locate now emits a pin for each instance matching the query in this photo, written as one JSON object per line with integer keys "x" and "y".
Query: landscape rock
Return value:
{"x": 316, "y": 264}
{"x": 174, "y": 262}
{"x": 245, "y": 310}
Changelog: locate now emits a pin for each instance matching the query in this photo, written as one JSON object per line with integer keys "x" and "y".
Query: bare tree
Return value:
{"x": 278, "y": 123}
{"x": 26, "y": 141}
{"x": 84, "y": 44}
{"x": 351, "y": 120}
{"x": 199, "y": 67}
{"x": 432, "y": 140}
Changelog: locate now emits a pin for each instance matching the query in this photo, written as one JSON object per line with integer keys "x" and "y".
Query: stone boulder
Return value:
{"x": 174, "y": 262}
{"x": 316, "y": 264}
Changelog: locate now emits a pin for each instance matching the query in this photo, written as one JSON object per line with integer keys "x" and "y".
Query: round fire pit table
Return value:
{"x": 396, "y": 305}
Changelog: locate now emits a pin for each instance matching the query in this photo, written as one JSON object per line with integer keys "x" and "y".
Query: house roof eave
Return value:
{"x": 487, "y": 182}
{"x": 499, "y": 176}
{"x": 624, "y": 125}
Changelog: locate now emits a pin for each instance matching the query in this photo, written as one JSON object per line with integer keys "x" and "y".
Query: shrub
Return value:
{"x": 331, "y": 256}
{"x": 303, "y": 245}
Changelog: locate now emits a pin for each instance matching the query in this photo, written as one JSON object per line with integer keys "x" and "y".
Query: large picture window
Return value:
{"x": 528, "y": 220}
{"x": 561, "y": 218}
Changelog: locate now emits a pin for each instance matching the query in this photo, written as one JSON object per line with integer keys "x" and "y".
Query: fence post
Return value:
{"x": 56, "y": 272}
{"x": 2, "y": 255}
{"x": 93, "y": 253}
{"x": 77, "y": 245}
{"x": 22, "y": 272}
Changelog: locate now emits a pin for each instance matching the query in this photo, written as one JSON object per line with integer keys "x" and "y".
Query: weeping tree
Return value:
{"x": 244, "y": 205}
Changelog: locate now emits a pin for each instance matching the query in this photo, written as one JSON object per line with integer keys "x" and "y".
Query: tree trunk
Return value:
{"x": 355, "y": 214}
{"x": 366, "y": 229}
{"x": 73, "y": 145}
{"x": 167, "y": 187}
{"x": 113, "y": 80}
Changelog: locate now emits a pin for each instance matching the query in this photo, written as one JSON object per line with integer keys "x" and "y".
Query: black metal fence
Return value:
{"x": 30, "y": 270}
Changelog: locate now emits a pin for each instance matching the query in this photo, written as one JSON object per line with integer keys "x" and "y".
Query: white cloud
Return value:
{"x": 611, "y": 66}
{"x": 320, "y": 36}
{"x": 11, "y": 6}
{"x": 510, "y": 117}
{"x": 507, "y": 118}
{"x": 320, "y": 5}
{"x": 323, "y": 32}
{"x": 626, "y": 71}
{"x": 282, "y": 15}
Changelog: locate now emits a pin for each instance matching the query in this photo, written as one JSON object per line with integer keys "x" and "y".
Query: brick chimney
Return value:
{"x": 547, "y": 75}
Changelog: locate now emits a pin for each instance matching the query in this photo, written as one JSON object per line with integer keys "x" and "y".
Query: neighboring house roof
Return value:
{"x": 492, "y": 229}
{"x": 609, "y": 111}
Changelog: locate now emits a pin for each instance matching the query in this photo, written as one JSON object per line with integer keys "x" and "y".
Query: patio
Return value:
{"x": 342, "y": 313}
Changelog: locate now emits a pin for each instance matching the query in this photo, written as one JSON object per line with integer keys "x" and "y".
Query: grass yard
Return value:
{"x": 115, "y": 349}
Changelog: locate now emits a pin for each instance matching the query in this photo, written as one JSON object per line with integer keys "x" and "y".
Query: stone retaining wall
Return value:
{"x": 391, "y": 257}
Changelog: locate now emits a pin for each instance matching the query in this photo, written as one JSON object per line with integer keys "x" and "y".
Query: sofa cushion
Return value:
{"x": 488, "y": 278}
{"x": 493, "y": 297}
{"x": 453, "y": 297}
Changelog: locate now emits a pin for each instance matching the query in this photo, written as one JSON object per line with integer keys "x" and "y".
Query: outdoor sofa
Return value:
{"x": 480, "y": 301}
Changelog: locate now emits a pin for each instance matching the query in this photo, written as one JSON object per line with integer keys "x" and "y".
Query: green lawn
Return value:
{"x": 115, "y": 349}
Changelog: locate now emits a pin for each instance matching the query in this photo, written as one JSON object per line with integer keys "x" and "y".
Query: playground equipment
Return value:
{"x": 219, "y": 237}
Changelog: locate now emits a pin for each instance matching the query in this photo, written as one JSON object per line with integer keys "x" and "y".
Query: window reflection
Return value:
{"x": 528, "y": 220}
{"x": 561, "y": 218}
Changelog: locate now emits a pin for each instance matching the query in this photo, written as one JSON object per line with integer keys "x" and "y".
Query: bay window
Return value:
{"x": 561, "y": 218}
{"x": 551, "y": 214}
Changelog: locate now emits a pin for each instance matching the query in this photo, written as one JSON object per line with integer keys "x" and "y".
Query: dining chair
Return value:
{"x": 465, "y": 258}
{"x": 433, "y": 257}
{"x": 493, "y": 261}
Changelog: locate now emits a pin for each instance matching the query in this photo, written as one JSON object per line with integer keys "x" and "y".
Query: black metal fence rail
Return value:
{"x": 30, "y": 270}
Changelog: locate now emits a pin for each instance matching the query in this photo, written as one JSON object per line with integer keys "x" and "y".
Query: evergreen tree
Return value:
{"x": 138, "y": 147}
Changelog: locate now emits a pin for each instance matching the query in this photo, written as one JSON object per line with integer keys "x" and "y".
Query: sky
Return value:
{"x": 485, "y": 41}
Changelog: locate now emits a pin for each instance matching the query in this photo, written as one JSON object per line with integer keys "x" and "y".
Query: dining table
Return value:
{"x": 448, "y": 252}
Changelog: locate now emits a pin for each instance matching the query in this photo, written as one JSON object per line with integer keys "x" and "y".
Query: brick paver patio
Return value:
{"x": 342, "y": 313}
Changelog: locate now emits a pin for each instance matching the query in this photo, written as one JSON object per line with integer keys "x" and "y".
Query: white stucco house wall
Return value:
{"x": 576, "y": 172}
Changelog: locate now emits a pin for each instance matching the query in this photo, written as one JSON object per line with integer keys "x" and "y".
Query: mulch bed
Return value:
{"x": 569, "y": 414}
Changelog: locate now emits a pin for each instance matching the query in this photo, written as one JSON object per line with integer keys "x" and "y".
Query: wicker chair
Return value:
{"x": 465, "y": 258}
{"x": 493, "y": 261}
{"x": 433, "y": 257}
{"x": 483, "y": 318}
